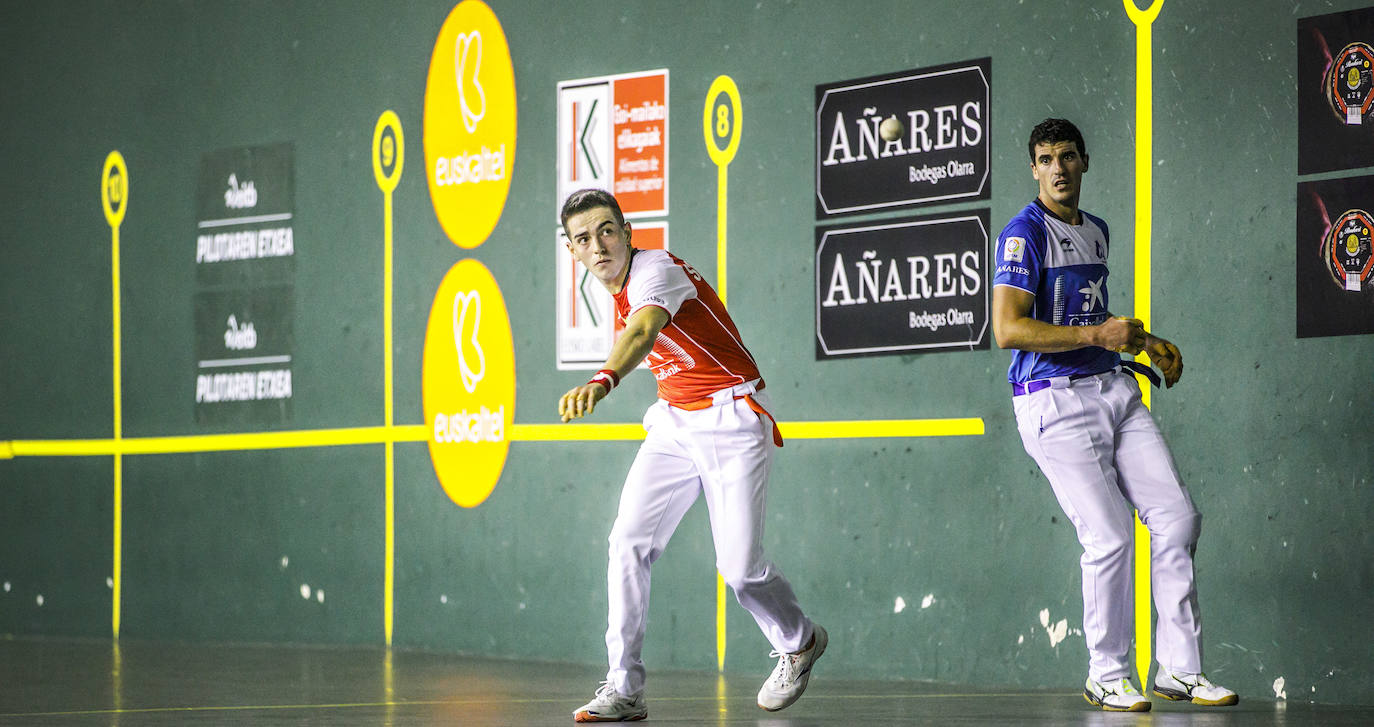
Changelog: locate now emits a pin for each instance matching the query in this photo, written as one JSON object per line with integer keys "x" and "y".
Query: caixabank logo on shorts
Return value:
{"x": 468, "y": 383}
{"x": 470, "y": 123}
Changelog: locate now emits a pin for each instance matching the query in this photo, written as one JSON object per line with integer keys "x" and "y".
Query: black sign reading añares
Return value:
{"x": 942, "y": 153}
{"x": 903, "y": 286}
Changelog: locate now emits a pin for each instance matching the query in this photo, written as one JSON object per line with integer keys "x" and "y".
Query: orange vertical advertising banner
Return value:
{"x": 639, "y": 121}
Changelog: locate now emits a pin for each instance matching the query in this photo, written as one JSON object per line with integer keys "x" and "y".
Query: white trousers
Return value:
{"x": 1103, "y": 454}
{"x": 725, "y": 451}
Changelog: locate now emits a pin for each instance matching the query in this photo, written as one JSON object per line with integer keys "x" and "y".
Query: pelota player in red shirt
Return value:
{"x": 709, "y": 432}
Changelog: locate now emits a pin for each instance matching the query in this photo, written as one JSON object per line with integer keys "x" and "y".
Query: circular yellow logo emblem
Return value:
{"x": 388, "y": 151}
{"x": 720, "y": 120}
{"x": 470, "y": 127}
{"x": 1352, "y": 244}
{"x": 114, "y": 188}
{"x": 468, "y": 383}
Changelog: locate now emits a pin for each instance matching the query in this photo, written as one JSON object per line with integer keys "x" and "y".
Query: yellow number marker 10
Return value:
{"x": 114, "y": 197}
{"x": 720, "y": 125}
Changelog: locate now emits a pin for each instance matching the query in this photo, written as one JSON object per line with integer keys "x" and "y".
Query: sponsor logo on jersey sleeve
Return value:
{"x": 1015, "y": 250}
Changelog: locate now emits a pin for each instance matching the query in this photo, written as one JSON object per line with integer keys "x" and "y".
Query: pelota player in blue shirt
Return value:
{"x": 1079, "y": 411}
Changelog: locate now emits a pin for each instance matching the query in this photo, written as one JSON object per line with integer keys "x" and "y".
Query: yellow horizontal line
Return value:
{"x": 575, "y": 432}
{"x": 216, "y": 442}
{"x": 882, "y": 428}
{"x": 419, "y": 433}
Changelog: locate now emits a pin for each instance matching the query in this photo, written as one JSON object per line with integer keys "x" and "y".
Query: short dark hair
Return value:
{"x": 1053, "y": 131}
{"x": 586, "y": 199}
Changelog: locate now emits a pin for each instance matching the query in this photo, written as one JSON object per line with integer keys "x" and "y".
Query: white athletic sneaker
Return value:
{"x": 1195, "y": 688}
{"x": 793, "y": 671}
{"x": 611, "y": 706}
{"x": 1115, "y": 696}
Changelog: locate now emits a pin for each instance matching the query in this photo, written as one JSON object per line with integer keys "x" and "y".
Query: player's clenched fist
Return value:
{"x": 1167, "y": 357}
{"x": 1123, "y": 335}
{"x": 580, "y": 401}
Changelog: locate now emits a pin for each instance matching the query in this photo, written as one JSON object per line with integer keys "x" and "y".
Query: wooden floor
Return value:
{"x": 45, "y": 682}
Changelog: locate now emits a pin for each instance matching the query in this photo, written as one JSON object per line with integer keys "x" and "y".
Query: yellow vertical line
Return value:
{"x": 1144, "y": 154}
{"x": 722, "y": 700}
{"x": 388, "y": 158}
{"x": 723, "y": 186}
{"x": 1144, "y": 645}
{"x": 115, "y": 580}
{"x": 389, "y": 587}
{"x": 720, "y": 622}
{"x": 389, "y": 687}
{"x": 116, "y": 678}
{"x": 114, "y": 197}
{"x": 1144, "y": 181}
{"x": 716, "y": 121}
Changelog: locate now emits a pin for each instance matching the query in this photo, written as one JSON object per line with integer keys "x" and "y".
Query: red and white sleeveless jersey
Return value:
{"x": 700, "y": 351}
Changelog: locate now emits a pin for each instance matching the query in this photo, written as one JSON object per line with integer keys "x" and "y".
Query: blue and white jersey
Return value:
{"x": 1065, "y": 267}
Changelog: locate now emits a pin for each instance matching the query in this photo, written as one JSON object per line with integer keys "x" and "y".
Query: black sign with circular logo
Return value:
{"x": 1346, "y": 250}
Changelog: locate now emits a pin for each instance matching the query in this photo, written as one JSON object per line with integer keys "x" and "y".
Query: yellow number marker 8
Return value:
{"x": 722, "y": 103}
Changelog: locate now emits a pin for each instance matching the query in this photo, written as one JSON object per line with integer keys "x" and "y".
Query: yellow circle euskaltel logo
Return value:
{"x": 470, "y": 127}
{"x": 468, "y": 383}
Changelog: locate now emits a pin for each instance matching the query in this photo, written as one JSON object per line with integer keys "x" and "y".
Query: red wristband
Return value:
{"x": 607, "y": 378}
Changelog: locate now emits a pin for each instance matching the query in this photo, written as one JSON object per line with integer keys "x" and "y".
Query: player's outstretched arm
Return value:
{"x": 637, "y": 340}
{"x": 1014, "y": 327}
{"x": 1165, "y": 355}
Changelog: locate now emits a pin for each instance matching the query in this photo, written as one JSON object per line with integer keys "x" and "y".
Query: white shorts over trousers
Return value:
{"x": 726, "y": 452}
{"x": 1103, "y": 454}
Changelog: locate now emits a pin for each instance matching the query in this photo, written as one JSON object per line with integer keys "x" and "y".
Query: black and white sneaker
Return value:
{"x": 1115, "y": 696}
{"x": 1195, "y": 688}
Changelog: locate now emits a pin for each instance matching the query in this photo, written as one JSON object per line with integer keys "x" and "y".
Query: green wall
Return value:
{"x": 1271, "y": 432}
